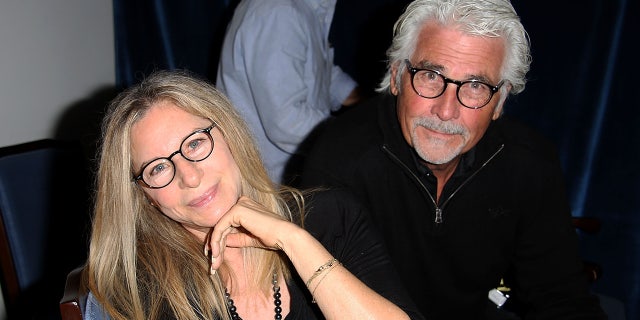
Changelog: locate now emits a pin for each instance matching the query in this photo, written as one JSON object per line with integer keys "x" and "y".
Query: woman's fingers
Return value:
{"x": 242, "y": 239}
{"x": 218, "y": 240}
{"x": 246, "y": 224}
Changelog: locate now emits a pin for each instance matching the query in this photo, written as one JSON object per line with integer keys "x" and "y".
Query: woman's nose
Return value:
{"x": 188, "y": 173}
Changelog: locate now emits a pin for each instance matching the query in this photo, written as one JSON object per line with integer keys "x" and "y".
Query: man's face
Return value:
{"x": 441, "y": 129}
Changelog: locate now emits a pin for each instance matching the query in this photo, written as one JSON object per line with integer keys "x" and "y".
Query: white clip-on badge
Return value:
{"x": 497, "y": 297}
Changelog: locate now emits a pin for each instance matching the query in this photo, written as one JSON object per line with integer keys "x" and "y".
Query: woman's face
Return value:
{"x": 201, "y": 192}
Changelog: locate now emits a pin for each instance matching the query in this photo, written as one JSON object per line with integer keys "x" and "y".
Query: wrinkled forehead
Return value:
{"x": 459, "y": 54}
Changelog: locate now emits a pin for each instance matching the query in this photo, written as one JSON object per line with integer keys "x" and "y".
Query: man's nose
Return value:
{"x": 447, "y": 106}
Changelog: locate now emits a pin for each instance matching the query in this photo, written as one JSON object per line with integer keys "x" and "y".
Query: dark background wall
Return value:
{"x": 580, "y": 94}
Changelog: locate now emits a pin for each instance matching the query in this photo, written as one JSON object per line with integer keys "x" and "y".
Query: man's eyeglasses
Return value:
{"x": 160, "y": 171}
{"x": 430, "y": 84}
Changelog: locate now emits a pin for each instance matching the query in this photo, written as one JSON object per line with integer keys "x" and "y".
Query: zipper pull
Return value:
{"x": 438, "y": 215}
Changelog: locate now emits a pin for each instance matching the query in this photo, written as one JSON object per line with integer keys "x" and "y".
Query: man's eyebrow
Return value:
{"x": 425, "y": 64}
{"x": 480, "y": 78}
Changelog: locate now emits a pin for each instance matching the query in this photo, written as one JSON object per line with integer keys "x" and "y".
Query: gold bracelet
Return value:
{"x": 323, "y": 267}
{"x": 313, "y": 293}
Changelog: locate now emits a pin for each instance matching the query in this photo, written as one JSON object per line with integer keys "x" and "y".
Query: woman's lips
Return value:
{"x": 204, "y": 199}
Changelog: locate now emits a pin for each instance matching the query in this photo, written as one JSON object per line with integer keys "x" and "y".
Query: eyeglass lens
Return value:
{"x": 430, "y": 84}
{"x": 196, "y": 147}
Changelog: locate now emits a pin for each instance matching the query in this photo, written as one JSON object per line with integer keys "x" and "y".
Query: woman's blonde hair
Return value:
{"x": 141, "y": 263}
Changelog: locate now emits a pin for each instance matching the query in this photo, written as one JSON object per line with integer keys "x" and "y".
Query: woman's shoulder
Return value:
{"x": 336, "y": 200}
{"x": 94, "y": 310}
{"x": 331, "y": 211}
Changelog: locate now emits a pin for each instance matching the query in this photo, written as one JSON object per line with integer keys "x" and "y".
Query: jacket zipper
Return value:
{"x": 439, "y": 208}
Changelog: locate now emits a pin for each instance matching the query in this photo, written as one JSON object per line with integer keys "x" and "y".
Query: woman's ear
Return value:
{"x": 151, "y": 201}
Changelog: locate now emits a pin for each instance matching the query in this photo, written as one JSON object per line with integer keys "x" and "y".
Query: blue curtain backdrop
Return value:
{"x": 580, "y": 95}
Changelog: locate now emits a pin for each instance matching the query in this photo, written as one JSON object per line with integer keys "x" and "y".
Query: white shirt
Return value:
{"x": 277, "y": 68}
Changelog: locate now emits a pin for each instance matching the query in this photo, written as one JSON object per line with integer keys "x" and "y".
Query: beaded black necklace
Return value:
{"x": 276, "y": 301}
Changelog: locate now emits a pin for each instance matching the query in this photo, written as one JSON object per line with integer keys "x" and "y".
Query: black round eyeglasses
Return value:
{"x": 430, "y": 84}
{"x": 160, "y": 171}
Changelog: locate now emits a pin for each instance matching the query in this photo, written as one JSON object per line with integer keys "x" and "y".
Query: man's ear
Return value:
{"x": 504, "y": 93}
{"x": 393, "y": 86}
{"x": 497, "y": 111}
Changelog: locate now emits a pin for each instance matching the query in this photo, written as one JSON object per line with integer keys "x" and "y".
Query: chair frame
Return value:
{"x": 71, "y": 302}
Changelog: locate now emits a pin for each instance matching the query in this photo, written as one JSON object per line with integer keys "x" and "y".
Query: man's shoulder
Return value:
{"x": 363, "y": 118}
{"x": 346, "y": 143}
{"x": 353, "y": 131}
{"x": 523, "y": 138}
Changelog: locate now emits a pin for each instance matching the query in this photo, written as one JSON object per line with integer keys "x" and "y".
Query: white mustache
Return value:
{"x": 440, "y": 126}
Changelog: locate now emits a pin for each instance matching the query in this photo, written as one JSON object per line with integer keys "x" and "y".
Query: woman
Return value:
{"x": 188, "y": 225}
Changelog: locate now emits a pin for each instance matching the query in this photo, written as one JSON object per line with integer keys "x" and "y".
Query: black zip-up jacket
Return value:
{"x": 502, "y": 215}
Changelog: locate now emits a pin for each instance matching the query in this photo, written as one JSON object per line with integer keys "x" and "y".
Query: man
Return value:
{"x": 468, "y": 202}
{"x": 277, "y": 68}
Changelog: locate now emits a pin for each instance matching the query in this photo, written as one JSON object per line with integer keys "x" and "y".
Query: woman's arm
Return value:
{"x": 338, "y": 293}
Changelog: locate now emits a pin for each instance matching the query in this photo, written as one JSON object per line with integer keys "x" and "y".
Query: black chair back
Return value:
{"x": 44, "y": 202}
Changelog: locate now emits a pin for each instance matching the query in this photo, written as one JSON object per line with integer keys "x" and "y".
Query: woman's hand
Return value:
{"x": 247, "y": 224}
{"x": 339, "y": 294}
